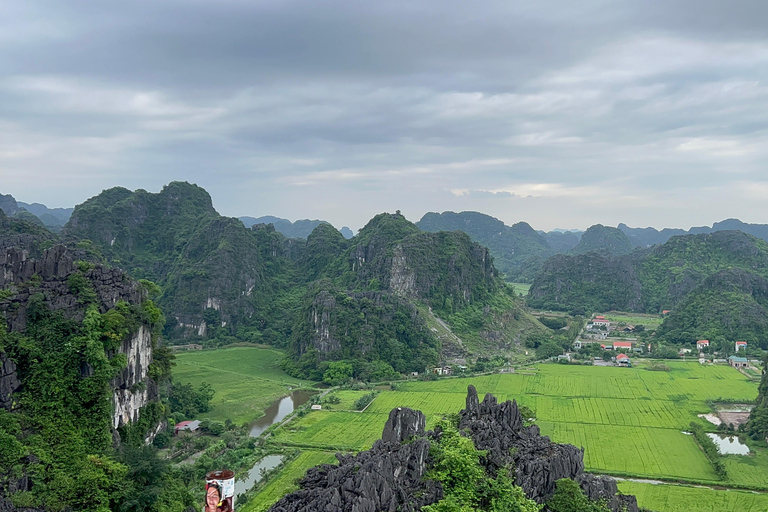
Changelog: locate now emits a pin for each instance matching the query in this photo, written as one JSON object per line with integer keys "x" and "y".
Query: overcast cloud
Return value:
{"x": 559, "y": 113}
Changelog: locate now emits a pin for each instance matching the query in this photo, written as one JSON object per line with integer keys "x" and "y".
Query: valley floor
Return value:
{"x": 630, "y": 421}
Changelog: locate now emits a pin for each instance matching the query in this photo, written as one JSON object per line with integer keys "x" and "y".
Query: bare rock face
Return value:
{"x": 388, "y": 477}
{"x": 538, "y": 462}
{"x": 9, "y": 382}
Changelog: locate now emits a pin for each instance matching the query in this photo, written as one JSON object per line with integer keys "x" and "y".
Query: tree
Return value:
{"x": 569, "y": 497}
{"x": 548, "y": 349}
{"x": 338, "y": 372}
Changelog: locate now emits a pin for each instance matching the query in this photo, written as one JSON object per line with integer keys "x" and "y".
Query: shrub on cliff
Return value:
{"x": 569, "y": 497}
{"x": 468, "y": 487}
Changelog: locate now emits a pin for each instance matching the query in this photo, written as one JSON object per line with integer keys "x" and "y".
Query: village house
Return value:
{"x": 186, "y": 425}
{"x": 622, "y": 345}
{"x": 600, "y": 321}
{"x": 741, "y": 345}
{"x": 738, "y": 362}
{"x": 623, "y": 360}
{"x": 702, "y": 344}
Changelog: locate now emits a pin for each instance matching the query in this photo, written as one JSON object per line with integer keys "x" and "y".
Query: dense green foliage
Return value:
{"x": 188, "y": 401}
{"x": 64, "y": 412}
{"x": 710, "y": 449}
{"x": 569, "y": 497}
{"x": 757, "y": 427}
{"x": 25, "y": 235}
{"x": 468, "y": 487}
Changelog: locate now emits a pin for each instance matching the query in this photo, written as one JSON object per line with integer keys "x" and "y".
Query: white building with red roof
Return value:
{"x": 702, "y": 344}
{"x": 741, "y": 345}
{"x": 621, "y": 345}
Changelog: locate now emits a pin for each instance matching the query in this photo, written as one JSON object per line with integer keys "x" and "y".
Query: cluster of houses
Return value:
{"x": 703, "y": 344}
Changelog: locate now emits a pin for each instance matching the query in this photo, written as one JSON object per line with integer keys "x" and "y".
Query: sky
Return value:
{"x": 562, "y": 114}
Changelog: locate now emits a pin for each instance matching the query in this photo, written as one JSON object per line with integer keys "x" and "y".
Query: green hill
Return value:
{"x": 648, "y": 280}
{"x": 730, "y": 305}
{"x": 603, "y": 239}
{"x": 518, "y": 250}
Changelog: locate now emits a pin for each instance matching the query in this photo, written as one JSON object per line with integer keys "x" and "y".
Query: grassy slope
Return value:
{"x": 246, "y": 379}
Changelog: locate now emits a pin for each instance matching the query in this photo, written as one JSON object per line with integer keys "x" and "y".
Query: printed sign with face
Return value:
{"x": 220, "y": 491}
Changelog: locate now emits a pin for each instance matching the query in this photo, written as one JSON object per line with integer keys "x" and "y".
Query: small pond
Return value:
{"x": 276, "y": 412}
{"x": 255, "y": 474}
{"x": 729, "y": 445}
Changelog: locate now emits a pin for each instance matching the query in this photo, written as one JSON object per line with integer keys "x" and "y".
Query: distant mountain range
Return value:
{"x": 519, "y": 251}
{"x": 715, "y": 285}
{"x": 299, "y": 229}
{"x": 52, "y": 218}
{"x": 646, "y": 237}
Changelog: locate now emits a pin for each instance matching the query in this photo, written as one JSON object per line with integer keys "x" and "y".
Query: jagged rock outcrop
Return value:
{"x": 52, "y": 270}
{"x": 388, "y": 477}
{"x": 538, "y": 462}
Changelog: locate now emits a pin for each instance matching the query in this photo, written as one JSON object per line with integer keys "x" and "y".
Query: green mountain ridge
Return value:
{"x": 647, "y": 280}
{"x": 518, "y": 250}
{"x": 730, "y": 305}
{"x": 223, "y": 282}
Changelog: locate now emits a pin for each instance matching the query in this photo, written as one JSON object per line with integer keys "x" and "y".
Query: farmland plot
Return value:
{"x": 640, "y": 451}
{"x": 330, "y": 430}
{"x": 246, "y": 380}
{"x": 675, "y": 498}
{"x": 613, "y": 411}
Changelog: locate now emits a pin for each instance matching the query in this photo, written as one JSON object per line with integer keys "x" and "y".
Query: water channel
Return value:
{"x": 275, "y": 413}
{"x": 255, "y": 474}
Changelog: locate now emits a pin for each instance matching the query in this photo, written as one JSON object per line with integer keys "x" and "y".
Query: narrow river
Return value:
{"x": 275, "y": 413}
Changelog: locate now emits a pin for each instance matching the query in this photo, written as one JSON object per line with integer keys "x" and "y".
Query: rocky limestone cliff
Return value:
{"x": 49, "y": 276}
{"x": 390, "y": 476}
{"x": 538, "y": 462}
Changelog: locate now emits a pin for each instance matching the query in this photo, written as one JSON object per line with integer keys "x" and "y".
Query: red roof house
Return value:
{"x": 191, "y": 425}
{"x": 740, "y": 345}
{"x": 621, "y": 344}
{"x": 622, "y": 357}
{"x": 702, "y": 343}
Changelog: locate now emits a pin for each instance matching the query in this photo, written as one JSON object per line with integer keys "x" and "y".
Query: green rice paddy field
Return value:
{"x": 599, "y": 408}
{"x": 246, "y": 379}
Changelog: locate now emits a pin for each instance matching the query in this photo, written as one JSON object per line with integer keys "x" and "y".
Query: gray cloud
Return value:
{"x": 558, "y": 113}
